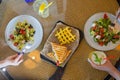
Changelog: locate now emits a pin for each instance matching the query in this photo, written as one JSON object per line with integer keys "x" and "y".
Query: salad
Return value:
{"x": 103, "y": 33}
{"x": 22, "y": 34}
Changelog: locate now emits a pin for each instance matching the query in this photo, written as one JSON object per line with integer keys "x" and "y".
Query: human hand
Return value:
{"x": 105, "y": 67}
{"x": 14, "y": 60}
{"x": 108, "y": 67}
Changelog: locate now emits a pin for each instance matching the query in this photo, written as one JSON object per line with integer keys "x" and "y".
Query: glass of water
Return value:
{"x": 39, "y": 6}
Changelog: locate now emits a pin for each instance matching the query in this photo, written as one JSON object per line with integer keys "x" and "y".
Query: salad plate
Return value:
{"x": 91, "y": 40}
{"x": 36, "y": 27}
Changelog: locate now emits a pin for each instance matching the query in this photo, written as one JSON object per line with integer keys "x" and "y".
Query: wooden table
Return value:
{"x": 72, "y": 12}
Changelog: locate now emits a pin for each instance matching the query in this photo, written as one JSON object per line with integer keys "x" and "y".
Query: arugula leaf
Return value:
{"x": 97, "y": 59}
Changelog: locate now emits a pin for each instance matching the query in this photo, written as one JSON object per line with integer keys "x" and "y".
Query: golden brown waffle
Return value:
{"x": 65, "y": 35}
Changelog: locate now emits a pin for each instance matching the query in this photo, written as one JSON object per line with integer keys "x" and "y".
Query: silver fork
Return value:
{"x": 27, "y": 46}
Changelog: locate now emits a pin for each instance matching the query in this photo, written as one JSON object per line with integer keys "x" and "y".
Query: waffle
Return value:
{"x": 65, "y": 35}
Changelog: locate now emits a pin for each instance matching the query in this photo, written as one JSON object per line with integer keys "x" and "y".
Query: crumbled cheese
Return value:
{"x": 98, "y": 36}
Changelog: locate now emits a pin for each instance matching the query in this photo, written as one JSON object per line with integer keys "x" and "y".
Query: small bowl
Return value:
{"x": 98, "y": 57}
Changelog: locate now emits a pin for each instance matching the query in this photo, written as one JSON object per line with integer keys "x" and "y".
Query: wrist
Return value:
{"x": 3, "y": 64}
{"x": 115, "y": 73}
{"x": 6, "y": 63}
{"x": 111, "y": 69}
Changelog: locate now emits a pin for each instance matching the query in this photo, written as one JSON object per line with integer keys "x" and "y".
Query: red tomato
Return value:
{"x": 101, "y": 30}
{"x": 11, "y": 36}
{"x": 15, "y": 44}
{"x": 22, "y": 31}
{"x": 101, "y": 43}
{"x": 105, "y": 16}
{"x": 102, "y": 36}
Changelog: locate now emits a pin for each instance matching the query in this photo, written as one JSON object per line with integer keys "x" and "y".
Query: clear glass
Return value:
{"x": 36, "y": 6}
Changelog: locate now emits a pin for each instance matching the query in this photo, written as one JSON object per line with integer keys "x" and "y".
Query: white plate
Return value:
{"x": 89, "y": 38}
{"x": 31, "y": 20}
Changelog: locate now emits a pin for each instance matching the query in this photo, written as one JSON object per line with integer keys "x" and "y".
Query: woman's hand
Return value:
{"x": 108, "y": 67}
{"x": 105, "y": 67}
{"x": 14, "y": 60}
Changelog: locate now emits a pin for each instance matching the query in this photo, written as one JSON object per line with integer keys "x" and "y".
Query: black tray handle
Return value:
{"x": 58, "y": 73}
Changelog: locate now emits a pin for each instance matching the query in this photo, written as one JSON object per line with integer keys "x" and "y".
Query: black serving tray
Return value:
{"x": 80, "y": 39}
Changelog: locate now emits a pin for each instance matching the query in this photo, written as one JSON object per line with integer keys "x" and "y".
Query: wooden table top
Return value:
{"x": 72, "y": 12}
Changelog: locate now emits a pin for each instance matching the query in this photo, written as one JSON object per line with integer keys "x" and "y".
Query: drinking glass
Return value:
{"x": 36, "y": 6}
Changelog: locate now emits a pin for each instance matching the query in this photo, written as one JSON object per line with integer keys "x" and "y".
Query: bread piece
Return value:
{"x": 61, "y": 52}
{"x": 51, "y": 55}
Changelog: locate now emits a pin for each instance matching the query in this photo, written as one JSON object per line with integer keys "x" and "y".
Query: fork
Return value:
{"x": 27, "y": 46}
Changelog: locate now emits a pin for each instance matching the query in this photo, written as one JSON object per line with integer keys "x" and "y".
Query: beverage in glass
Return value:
{"x": 98, "y": 57}
{"x": 39, "y": 6}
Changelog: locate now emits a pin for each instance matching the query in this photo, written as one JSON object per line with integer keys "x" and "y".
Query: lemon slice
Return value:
{"x": 42, "y": 7}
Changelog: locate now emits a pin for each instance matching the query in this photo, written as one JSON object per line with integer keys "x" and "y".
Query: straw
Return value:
{"x": 47, "y": 7}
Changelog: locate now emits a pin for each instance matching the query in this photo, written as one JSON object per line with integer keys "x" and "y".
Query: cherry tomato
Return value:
{"x": 101, "y": 43}
{"x": 105, "y": 16}
{"x": 11, "y": 36}
{"x": 101, "y": 30}
{"x": 102, "y": 36}
{"x": 22, "y": 31}
{"x": 15, "y": 44}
